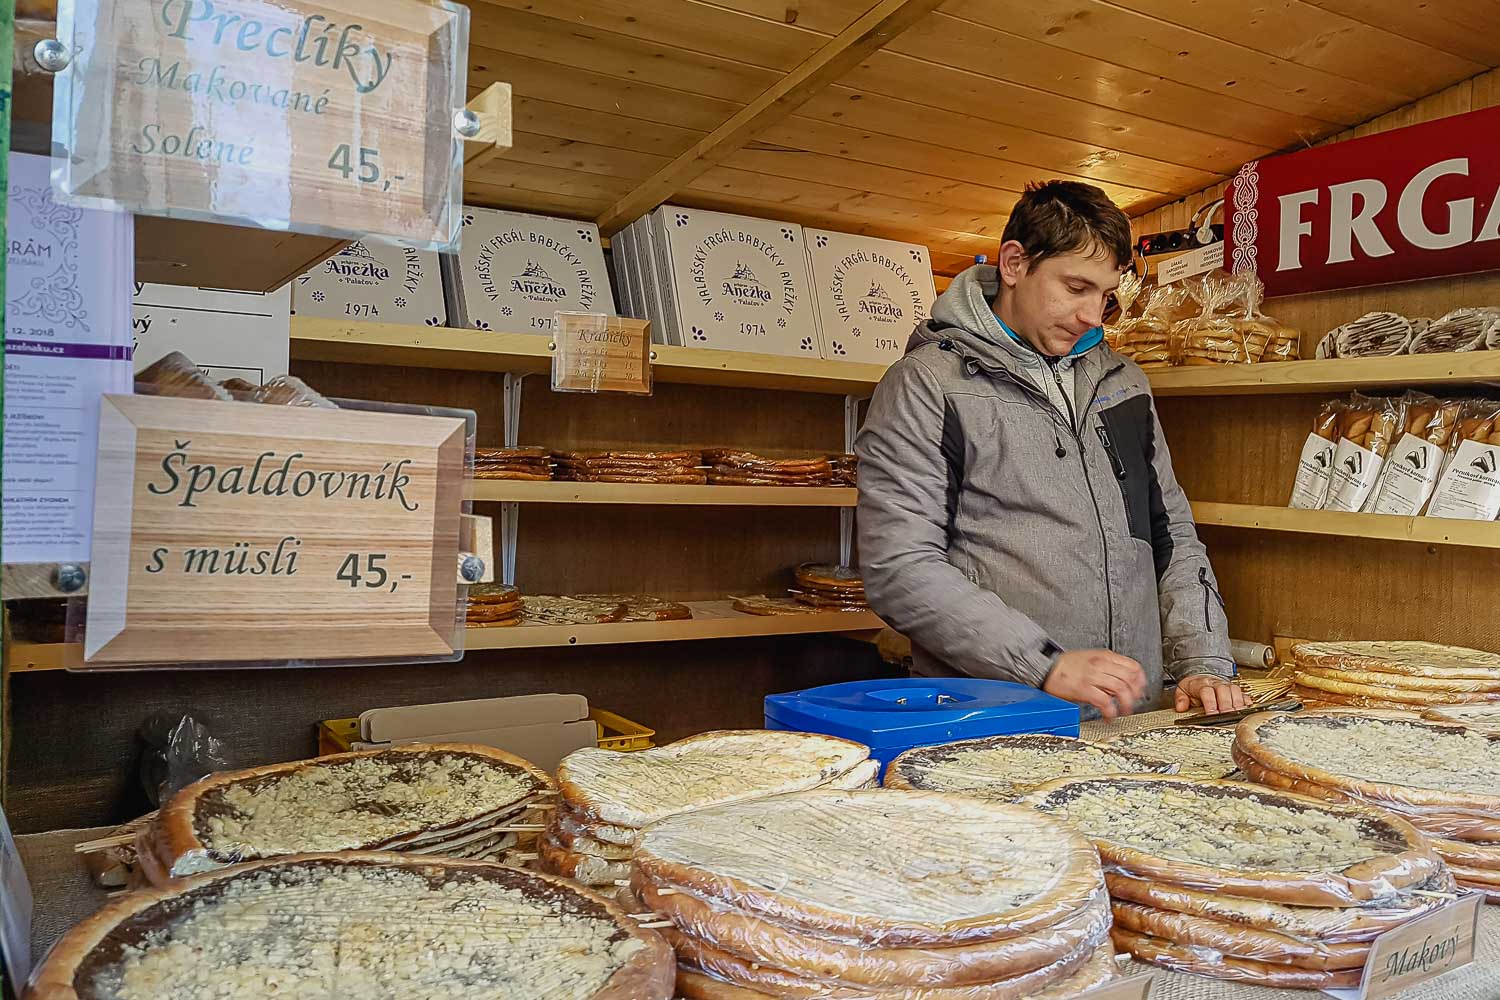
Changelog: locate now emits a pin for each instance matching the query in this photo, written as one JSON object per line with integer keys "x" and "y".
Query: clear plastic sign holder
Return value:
{"x": 315, "y": 556}
{"x": 596, "y": 352}
{"x": 309, "y": 117}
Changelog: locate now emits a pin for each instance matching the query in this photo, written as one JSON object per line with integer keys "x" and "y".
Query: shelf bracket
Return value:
{"x": 510, "y": 513}
{"x": 846, "y": 514}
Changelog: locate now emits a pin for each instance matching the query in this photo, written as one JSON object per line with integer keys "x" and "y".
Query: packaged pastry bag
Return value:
{"x": 1411, "y": 472}
{"x": 1469, "y": 487}
{"x": 1315, "y": 464}
{"x": 1367, "y": 429}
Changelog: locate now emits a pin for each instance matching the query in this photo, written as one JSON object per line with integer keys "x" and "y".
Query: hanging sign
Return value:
{"x": 252, "y": 532}
{"x": 1417, "y": 202}
{"x": 592, "y": 352}
{"x": 314, "y": 116}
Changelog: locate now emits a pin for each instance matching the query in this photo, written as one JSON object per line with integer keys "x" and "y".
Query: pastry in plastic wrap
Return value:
{"x": 529, "y": 463}
{"x": 175, "y": 374}
{"x": 1214, "y": 336}
{"x": 1197, "y": 834}
{"x": 1315, "y": 463}
{"x": 1207, "y": 962}
{"x": 493, "y": 604}
{"x": 1004, "y": 767}
{"x": 1146, "y": 340}
{"x": 1459, "y": 330}
{"x": 400, "y": 798}
{"x": 627, "y": 466}
{"x": 556, "y": 610}
{"x": 1367, "y": 429}
{"x": 1239, "y": 942}
{"x": 288, "y": 390}
{"x": 644, "y": 607}
{"x": 1373, "y": 335}
{"x": 1485, "y": 718}
{"x": 825, "y": 586}
{"x": 1469, "y": 485}
{"x": 1423, "y": 659}
{"x": 378, "y": 919}
{"x": 759, "y": 604}
{"x": 1198, "y": 751}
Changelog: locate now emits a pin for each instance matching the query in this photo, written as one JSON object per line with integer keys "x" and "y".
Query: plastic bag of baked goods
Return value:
{"x": 1367, "y": 429}
{"x": 1459, "y": 330}
{"x": 1469, "y": 487}
{"x": 1147, "y": 339}
{"x": 1408, "y": 478}
{"x": 1315, "y": 464}
{"x": 1214, "y": 337}
{"x": 1282, "y": 342}
{"x": 1373, "y": 335}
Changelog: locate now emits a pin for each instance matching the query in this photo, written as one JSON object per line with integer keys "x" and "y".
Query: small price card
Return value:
{"x": 1419, "y": 950}
{"x": 592, "y": 352}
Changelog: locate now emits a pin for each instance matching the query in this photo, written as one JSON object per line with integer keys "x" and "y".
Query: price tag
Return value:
{"x": 1188, "y": 264}
{"x": 1419, "y": 950}
{"x": 1128, "y": 988}
{"x": 593, "y": 352}
{"x": 250, "y": 532}
{"x": 316, "y": 116}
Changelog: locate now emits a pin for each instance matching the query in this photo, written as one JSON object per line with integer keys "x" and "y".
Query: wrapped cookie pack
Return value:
{"x": 1409, "y": 477}
{"x": 1215, "y": 336}
{"x": 1146, "y": 339}
{"x": 1315, "y": 464}
{"x": 1469, "y": 487}
{"x": 1367, "y": 429}
{"x": 1459, "y": 330}
{"x": 1282, "y": 342}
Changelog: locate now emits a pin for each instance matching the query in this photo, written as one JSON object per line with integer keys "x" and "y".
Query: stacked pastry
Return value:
{"x": 760, "y": 604}
{"x": 1006, "y": 767}
{"x": 678, "y": 467}
{"x": 1444, "y": 779}
{"x": 1198, "y": 751}
{"x": 362, "y": 924}
{"x": 879, "y": 895}
{"x": 441, "y": 799}
{"x": 821, "y": 585}
{"x": 557, "y": 610}
{"x": 1485, "y": 718}
{"x": 1222, "y": 342}
{"x": 727, "y": 467}
{"x": 512, "y": 463}
{"x": 1459, "y": 330}
{"x": 845, "y": 469}
{"x": 1397, "y": 675}
{"x": 1147, "y": 342}
{"x": 607, "y": 797}
{"x": 493, "y": 605}
{"x": 1238, "y": 882}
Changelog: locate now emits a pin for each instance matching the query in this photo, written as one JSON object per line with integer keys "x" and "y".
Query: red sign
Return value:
{"x": 1417, "y": 202}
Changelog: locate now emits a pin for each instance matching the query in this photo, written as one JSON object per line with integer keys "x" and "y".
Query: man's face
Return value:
{"x": 1057, "y": 301}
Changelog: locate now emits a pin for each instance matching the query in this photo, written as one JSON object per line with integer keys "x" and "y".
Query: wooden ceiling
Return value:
{"x": 921, "y": 120}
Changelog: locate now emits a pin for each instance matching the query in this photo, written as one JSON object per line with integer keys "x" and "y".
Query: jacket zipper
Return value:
{"x": 1109, "y": 449}
{"x": 1208, "y": 589}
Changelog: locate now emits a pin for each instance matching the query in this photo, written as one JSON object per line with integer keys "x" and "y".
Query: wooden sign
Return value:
{"x": 1127, "y": 988}
{"x": 592, "y": 352}
{"x": 1419, "y": 950}
{"x": 252, "y": 532}
{"x": 308, "y": 115}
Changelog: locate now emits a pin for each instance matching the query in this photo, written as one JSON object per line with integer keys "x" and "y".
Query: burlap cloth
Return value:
{"x": 64, "y": 895}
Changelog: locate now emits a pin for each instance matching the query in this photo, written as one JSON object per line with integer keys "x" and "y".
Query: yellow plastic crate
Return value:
{"x": 615, "y": 733}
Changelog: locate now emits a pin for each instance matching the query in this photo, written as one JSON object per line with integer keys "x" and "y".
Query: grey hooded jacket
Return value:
{"x": 1010, "y": 509}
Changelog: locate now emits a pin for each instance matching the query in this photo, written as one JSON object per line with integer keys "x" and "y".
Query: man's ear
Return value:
{"x": 1011, "y": 263}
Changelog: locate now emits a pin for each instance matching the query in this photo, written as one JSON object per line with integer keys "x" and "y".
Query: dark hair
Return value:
{"x": 1058, "y": 217}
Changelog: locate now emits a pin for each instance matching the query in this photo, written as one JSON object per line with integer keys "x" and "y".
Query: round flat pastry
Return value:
{"x": 562, "y": 836}
{"x": 644, "y": 607}
{"x": 480, "y": 614}
{"x": 1472, "y": 853}
{"x": 1003, "y": 767}
{"x": 522, "y": 451}
{"x": 760, "y": 604}
{"x": 1327, "y": 700}
{"x": 1485, "y": 718}
{"x": 552, "y": 610}
{"x": 1405, "y": 682}
{"x": 493, "y": 593}
{"x": 1237, "y": 941}
{"x": 827, "y": 575}
{"x": 1328, "y": 924}
{"x": 361, "y": 924}
{"x": 1206, "y": 962}
{"x": 629, "y": 456}
{"x": 525, "y": 475}
{"x": 1198, "y": 751}
{"x": 1404, "y": 761}
{"x": 842, "y": 864}
{"x": 1401, "y": 695}
{"x": 573, "y": 821}
{"x": 1425, "y": 659}
{"x": 585, "y": 869}
{"x": 387, "y": 799}
{"x": 822, "y": 603}
{"x": 1241, "y": 839}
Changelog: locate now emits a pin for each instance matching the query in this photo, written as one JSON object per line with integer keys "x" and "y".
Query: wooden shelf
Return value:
{"x": 1330, "y": 376}
{"x": 711, "y": 620}
{"x": 1387, "y": 527}
{"x": 522, "y": 491}
{"x": 483, "y": 350}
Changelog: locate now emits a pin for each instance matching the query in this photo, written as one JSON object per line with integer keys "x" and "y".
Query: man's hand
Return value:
{"x": 1112, "y": 683}
{"x": 1215, "y": 694}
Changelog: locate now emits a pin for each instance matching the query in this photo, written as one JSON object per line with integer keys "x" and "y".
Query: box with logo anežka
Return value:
{"x": 871, "y": 294}
{"x": 379, "y": 282}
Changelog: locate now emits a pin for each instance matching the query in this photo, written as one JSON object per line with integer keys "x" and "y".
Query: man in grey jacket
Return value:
{"x": 1018, "y": 514}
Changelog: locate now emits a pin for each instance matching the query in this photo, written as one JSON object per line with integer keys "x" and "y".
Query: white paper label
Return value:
{"x": 1470, "y": 486}
{"x": 1193, "y": 262}
{"x": 228, "y": 334}
{"x": 1410, "y": 474}
{"x": 1313, "y": 469}
{"x": 1355, "y": 471}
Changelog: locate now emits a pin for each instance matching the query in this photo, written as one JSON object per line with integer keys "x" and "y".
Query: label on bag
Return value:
{"x": 1313, "y": 470}
{"x": 1410, "y": 475}
{"x": 1470, "y": 485}
{"x": 1355, "y": 471}
{"x": 1128, "y": 988}
{"x": 1419, "y": 950}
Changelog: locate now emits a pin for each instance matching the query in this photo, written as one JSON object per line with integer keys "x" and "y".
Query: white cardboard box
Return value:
{"x": 228, "y": 334}
{"x": 739, "y": 284}
{"x": 513, "y": 271}
{"x": 374, "y": 281}
{"x": 871, "y": 293}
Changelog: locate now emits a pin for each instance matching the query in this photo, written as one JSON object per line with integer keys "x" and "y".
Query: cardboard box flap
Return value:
{"x": 545, "y": 745}
{"x": 411, "y": 722}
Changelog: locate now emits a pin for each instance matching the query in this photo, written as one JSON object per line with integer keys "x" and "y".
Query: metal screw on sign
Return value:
{"x": 470, "y": 567}
{"x": 466, "y": 123}
{"x": 69, "y": 577}
{"x": 52, "y": 56}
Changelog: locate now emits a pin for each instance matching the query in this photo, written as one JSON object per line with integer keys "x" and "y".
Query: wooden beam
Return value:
{"x": 875, "y": 29}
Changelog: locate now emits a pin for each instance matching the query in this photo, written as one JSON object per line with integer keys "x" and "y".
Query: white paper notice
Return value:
{"x": 1408, "y": 478}
{"x": 228, "y": 334}
{"x": 16, "y": 908}
{"x": 1470, "y": 486}
{"x": 1355, "y": 471}
{"x": 1313, "y": 470}
{"x": 67, "y": 342}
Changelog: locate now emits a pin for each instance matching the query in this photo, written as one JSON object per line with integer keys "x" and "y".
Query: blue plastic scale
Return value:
{"x": 892, "y": 716}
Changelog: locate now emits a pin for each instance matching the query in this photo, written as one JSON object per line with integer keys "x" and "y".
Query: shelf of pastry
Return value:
{"x": 402, "y": 345}
{"x": 1328, "y": 376}
{"x": 1386, "y": 527}
{"x": 711, "y": 620}
{"x": 666, "y": 494}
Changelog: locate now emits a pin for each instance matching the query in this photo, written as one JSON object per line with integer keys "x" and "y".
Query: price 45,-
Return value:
{"x": 365, "y": 168}
{"x": 367, "y": 571}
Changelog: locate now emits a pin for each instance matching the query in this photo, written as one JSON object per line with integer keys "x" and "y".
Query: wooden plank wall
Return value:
{"x": 1243, "y": 449}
